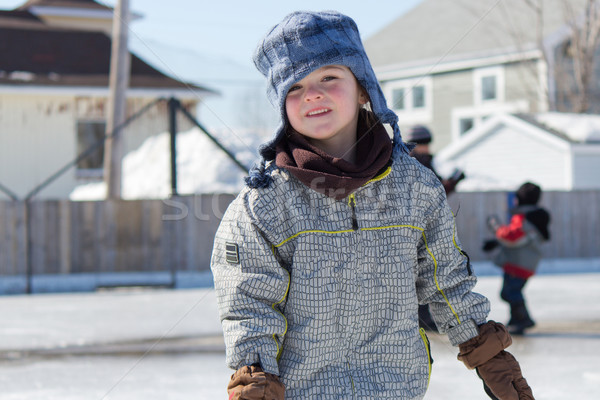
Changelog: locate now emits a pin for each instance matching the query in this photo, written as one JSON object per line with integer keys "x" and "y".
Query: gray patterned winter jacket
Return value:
{"x": 324, "y": 293}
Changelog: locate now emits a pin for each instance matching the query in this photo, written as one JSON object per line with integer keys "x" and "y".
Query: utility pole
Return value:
{"x": 118, "y": 82}
{"x": 173, "y": 107}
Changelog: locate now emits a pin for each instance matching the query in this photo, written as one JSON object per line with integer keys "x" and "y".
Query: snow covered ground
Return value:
{"x": 167, "y": 344}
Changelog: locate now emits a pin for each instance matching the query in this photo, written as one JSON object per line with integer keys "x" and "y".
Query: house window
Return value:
{"x": 411, "y": 99}
{"x": 488, "y": 85}
{"x": 90, "y": 134}
{"x": 418, "y": 97}
{"x": 488, "y": 88}
{"x": 398, "y": 99}
{"x": 465, "y": 124}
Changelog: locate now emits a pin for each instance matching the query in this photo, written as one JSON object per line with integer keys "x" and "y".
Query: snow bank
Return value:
{"x": 201, "y": 166}
{"x": 578, "y": 127}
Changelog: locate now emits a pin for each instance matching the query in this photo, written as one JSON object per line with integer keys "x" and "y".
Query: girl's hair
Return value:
{"x": 370, "y": 117}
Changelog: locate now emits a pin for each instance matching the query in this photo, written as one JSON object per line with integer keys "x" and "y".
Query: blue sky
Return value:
{"x": 234, "y": 27}
{"x": 211, "y": 42}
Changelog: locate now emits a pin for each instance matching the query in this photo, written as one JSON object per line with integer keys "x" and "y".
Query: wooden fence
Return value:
{"x": 66, "y": 237}
{"x": 62, "y": 237}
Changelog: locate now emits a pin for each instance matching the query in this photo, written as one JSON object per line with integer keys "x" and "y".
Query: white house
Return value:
{"x": 54, "y": 72}
{"x": 558, "y": 151}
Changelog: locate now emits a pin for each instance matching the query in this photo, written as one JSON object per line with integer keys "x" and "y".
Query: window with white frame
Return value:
{"x": 90, "y": 135}
{"x": 488, "y": 85}
{"x": 488, "y": 88}
{"x": 410, "y": 98}
{"x": 464, "y": 125}
{"x": 398, "y": 98}
{"x": 418, "y": 96}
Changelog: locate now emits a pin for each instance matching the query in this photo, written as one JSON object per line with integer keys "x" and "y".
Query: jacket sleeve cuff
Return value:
{"x": 463, "y": 332}
{"x": 268, "y": 364}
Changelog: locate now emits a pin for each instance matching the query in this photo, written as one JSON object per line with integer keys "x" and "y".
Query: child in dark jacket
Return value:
{"x": 520, "y": 253}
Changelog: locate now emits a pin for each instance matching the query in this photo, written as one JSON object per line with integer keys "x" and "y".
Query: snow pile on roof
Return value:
{"x": 201, "y": 166}
{"x": 479, "y": 181}
{"x": 578, "y": 127}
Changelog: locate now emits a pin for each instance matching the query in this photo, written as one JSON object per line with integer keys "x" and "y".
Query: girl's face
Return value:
{"x": 324, "y": 107}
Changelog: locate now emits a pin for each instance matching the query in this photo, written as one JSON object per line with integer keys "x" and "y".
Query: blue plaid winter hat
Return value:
{"x": 304, "y": 42}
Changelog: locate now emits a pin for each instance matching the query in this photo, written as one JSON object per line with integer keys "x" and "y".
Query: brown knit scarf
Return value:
{"x": 332, "y": 176}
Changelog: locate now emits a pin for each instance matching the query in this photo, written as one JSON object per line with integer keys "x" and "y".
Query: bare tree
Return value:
{"x": 538, "y": 9}
{"x": 581, "y": 50}
{"x": 572, "y": 64}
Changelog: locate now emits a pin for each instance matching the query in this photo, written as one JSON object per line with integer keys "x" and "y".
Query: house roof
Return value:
{"x": 35, "y": 54}
{"x": 71, "y": 8}
{"x": 578, "y": 128}
{"x": 22, "y": 19}
{"x": 439, "y": 31}
{"x": 490, "y": 126}
{"x": 90, "y": 4}
{"x": 557, "y": 129}
{"x": 508, "y": 149}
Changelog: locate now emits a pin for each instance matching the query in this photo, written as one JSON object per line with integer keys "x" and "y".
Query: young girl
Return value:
{"x": 321, "y": 261}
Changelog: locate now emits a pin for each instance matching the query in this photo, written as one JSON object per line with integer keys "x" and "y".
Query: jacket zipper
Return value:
{"x": 352, "y": 203}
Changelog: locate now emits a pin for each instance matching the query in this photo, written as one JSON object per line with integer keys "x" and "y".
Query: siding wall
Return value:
{"x": 586, "y": 165}
{"x": 450, "y": 90}
{"x": 456, "y": 90}
{"x": 522, "y": 83}
{"x": 158, "y": 235}
{"x": 38, "y": 136}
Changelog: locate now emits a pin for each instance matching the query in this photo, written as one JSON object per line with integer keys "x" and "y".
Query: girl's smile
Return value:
{"x": 318, "y": 112}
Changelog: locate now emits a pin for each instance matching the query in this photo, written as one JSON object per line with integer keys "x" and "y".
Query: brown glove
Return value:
{"x": 498, "y": 369}
{"x": 251, "y": 383}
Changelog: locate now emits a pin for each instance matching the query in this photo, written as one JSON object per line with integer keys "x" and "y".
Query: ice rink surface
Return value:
{"x": 167, "y": 344}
